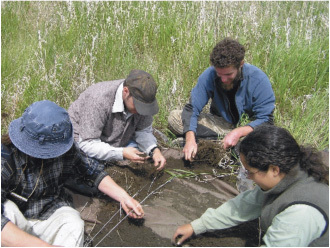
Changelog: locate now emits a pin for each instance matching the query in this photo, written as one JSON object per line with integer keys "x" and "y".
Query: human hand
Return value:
{"x": 132, "y": 208}
{"x": 109, "y": 187}
{"x": 190, "y": 150}
{"x": 133, "y": 154}
{"x": 182, "y": 233}
{"x": 232, "y": 138}
{"x": 13, "y": 236}
{"x": 159, "y": 159}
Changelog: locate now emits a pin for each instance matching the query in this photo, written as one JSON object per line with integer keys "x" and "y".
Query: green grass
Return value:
{"x": 55, "y": 50}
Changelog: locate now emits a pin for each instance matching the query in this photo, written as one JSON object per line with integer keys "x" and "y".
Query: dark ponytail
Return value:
{"x": 311, "y": 162}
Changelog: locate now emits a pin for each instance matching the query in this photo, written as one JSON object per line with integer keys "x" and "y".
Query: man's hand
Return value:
{"x": 12, "y": 235}
{"x": 132, "y": 208}
{"x": 133, "y": 154}
{"x": 190, "y": 148}
{"x": 159, "y": 159}
{"x": 182, "y": 233}
{"x": 109, "y": 187}
{"x": 232, "y": 138}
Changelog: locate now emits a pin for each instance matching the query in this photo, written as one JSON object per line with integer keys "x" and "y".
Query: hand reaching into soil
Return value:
{"x": 133, "y": 154}
{"x": 159, "y": 159}
{"x": 182, "y": 233}
{"x": 232, "y": 138}
{"x": 132, "y": 208}
{"x": 190, "y": 148}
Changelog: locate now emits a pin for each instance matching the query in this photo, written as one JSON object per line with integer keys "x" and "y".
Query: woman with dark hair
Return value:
{"x": 291, "y": 196}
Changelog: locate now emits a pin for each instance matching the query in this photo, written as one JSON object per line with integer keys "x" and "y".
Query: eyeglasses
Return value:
{"x": 246, "y": 172}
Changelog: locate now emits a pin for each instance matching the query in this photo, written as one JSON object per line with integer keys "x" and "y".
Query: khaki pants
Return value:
{"x": 215, "y": 123}
{"x": 63, "y": 228}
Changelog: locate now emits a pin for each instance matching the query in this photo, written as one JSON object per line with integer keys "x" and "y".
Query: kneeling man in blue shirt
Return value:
{"x": 234, "y": 88}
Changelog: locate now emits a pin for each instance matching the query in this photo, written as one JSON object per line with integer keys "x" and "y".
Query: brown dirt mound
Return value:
{"x": 210, "y": 152}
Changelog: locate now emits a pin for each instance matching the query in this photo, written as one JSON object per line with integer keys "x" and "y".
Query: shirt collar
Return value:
{"x": 118, "y": 105}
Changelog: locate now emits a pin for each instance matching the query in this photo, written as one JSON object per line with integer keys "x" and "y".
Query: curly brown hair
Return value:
{"x": 227, "y": 52}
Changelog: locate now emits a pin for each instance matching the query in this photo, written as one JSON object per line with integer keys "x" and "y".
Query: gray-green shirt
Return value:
{"x": 292, "y": 227}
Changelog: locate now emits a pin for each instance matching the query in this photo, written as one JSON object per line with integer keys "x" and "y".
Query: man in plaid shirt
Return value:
{"x": 37, "y": 157}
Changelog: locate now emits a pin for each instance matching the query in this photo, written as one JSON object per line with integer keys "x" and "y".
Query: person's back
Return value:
{"x": 92, "y": 109}
{"x": 112, "y": 120}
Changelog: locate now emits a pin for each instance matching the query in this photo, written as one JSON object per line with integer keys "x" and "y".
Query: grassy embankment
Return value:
{"x": 55, "y": 50}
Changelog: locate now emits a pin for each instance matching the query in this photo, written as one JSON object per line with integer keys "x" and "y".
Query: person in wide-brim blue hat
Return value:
{"x": 38, "y": 158}
{"x": 44, "y": 130}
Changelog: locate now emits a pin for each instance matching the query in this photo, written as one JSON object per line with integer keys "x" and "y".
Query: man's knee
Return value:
{"x": 175, "y": 122}
{"x": 14, "y": 214}
{"x": 70, "y": 216}
{"x": 70, "y": 221}
{"x": 64, "y": 228}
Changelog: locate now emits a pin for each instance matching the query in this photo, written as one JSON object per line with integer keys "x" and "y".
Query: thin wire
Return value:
{"x": 153, "y": 180}
{"x": 132, "y": 210}
{"x": 87, "y": 243}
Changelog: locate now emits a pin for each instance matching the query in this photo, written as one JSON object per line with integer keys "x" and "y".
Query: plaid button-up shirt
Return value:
{"x": 41, "y": 181}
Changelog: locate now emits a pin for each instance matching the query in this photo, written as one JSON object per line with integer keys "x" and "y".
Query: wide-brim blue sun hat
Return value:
{"x": 43, "y": 131}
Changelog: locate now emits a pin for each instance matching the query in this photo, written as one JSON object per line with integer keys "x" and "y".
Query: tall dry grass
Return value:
{"x": 55, "y": 50}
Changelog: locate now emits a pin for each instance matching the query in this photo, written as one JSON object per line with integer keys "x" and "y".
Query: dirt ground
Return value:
{"x": 168, "y": 203}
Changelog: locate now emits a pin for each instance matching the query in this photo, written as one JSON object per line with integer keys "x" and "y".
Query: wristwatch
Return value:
{"x": 151, "y": 153}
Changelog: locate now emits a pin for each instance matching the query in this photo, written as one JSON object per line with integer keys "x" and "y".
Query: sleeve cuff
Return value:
{"x": 4, "y": 221}
{"x": 198, "y": 226}
{"x": 99, "y": 178}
